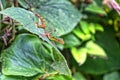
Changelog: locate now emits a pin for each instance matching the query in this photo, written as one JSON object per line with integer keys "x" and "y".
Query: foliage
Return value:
{"x": 89, "y": 30}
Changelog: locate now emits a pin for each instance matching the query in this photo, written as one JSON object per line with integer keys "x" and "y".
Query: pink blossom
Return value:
{"x": 112, "y": 4}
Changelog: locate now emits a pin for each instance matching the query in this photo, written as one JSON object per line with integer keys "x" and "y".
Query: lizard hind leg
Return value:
{"x": 45, "y": 34}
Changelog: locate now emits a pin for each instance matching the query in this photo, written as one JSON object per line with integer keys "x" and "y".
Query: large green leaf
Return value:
{"x": 108, "y": 42}
{"x": 60, "y": 15}
{"x": 27, "y": 19}
{"x": 28, "y": 57}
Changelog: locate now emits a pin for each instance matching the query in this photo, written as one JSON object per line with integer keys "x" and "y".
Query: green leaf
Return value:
{"x": 84, "y": 27}
{"x": 71, "y": 41}
{"x": 26, "y": 18}
{"x": 27, "y": 56}
{"x": 107, "y": 40}
{"x": 91, "y": 28}
{"x": 60, "y": 15}
{"x": 79, "y": 55}
{"x": 95, "y": 9}
{"x": 98, "y": 27}
{"x": 60, "y": 77}
{"x": 78, "y": 76}
{"x": 95, "y": 49}
{"x": 112, "y": 76}
{"x": 24, "y": 4}
{"x": 2, "y": 4}
{"x": 81, "y": 35}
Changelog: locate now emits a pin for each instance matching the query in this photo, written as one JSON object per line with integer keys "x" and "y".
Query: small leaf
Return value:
{"x": 95, "y": 9}
{"x": 98, "y": 27}
{"x": 60, "y": 15}
{"x": 84, "y": 27}
{"x": 116, "y": 24}
{"x": 95, "y": 49}
{"x": 87, "y": 37}
{"x": 28, "y": 57}
{"x": 79, "y": 55}
{"x": 81, "y": 35}
{"x": 71, "y": 41}
{"x": 108, "y": 42}
{"x": 24, "y": 4}
{"x": 91, "y": 28}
